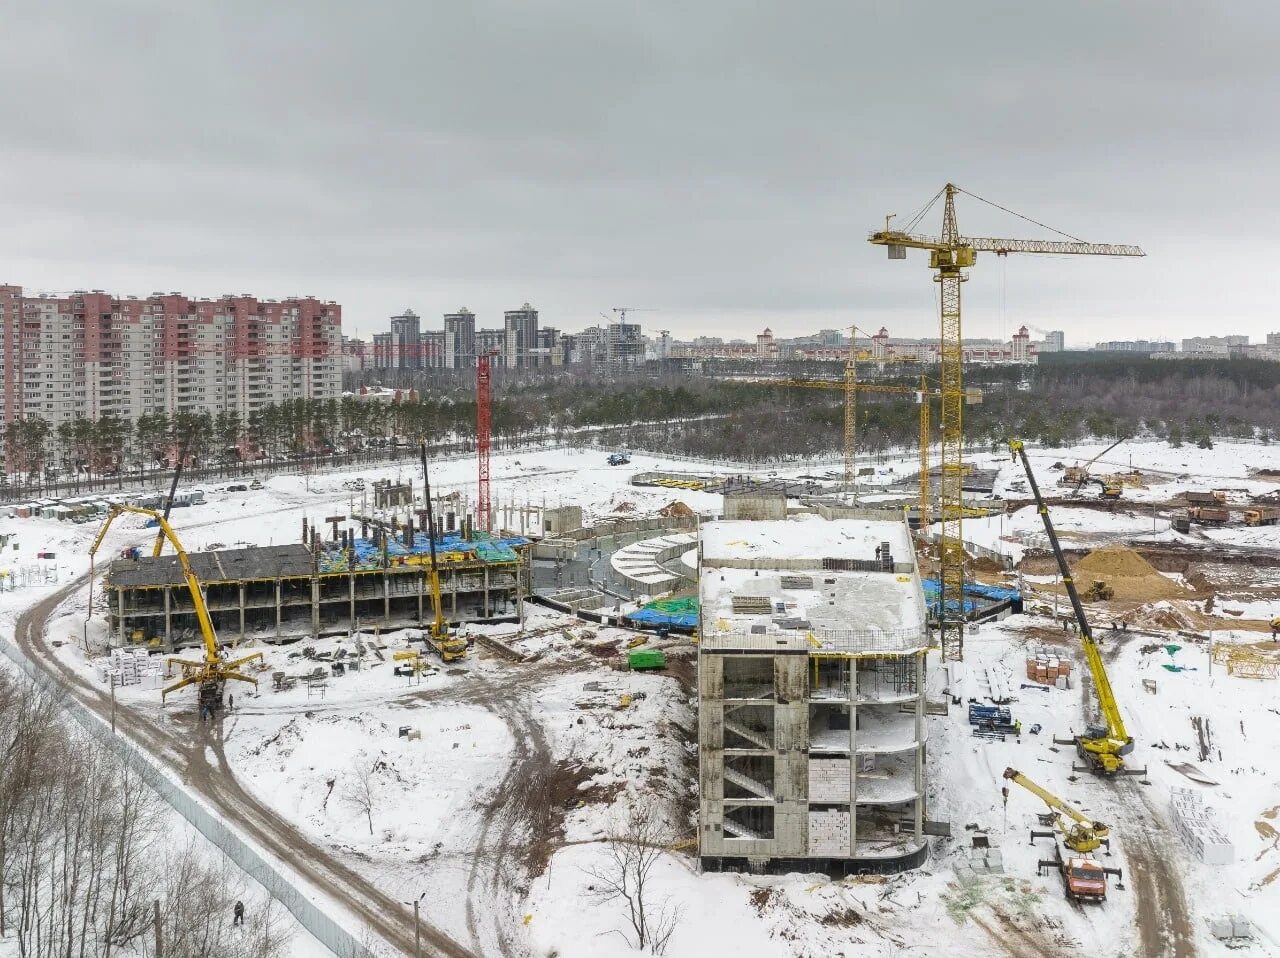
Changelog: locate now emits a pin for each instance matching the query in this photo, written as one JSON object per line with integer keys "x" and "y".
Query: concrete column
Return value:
{"x": 422, "y": 578}
{"x": 121, "y": 628}
{"x": 920, "y": 726}
{"x": 279, "y": 613}
{"x": 351, "y": 596}
{"x": 315, "y": 605}
{"x": 853, "y": 756}
{"x": 168, "y": 619}
{"x": 486, "y": 592}
{"x": 386, "y": 598}
{"x": 242, "y": 611}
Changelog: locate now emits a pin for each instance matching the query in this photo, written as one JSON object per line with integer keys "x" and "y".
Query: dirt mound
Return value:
{"x": 676, "y": 509}
{"x": 1127, "y": 573}
{"x": 986, "y": 564}
{"x": 625, "y": 507}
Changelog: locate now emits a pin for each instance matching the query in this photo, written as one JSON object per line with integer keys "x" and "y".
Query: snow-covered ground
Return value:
{"x": 618, "y": 739}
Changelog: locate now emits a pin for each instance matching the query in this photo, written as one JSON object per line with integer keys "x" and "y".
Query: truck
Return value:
{"x": 1262, "y": 515}
{"x": 1084, "y": 879}
{"x": 1209, "y": 515}
{"x": 1197, "y": 498}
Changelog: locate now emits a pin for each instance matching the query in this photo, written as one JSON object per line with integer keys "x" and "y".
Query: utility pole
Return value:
{"x": 113, "y": 705}
{"x": 156, "y": 921}
{"x": 417, "y": 927}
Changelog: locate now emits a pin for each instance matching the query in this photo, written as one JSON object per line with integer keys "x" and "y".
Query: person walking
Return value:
{"x": 237, "y": 914}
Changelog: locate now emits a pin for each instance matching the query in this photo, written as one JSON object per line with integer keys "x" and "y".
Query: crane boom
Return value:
{"x": 212, "y": 671}
{"x": 951, "y": 254}
{"x": 1084, "y": 835}
{"x": 1103, "y": 747}
{"x": 990, "y": 244}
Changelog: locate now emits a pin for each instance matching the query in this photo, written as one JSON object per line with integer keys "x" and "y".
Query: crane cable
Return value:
{"x": 1020, "y": 216}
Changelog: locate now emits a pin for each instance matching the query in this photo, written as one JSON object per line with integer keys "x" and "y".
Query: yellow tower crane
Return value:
{"x": 212, "y": 672}
{"x": 851, "y": 390}
{"x": 950, "y": 255}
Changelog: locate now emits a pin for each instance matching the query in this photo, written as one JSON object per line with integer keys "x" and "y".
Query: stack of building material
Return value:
{"x": 1198, "y": 825}
{"x": 125, "y": 666}
{"x": 1048, "y": 666}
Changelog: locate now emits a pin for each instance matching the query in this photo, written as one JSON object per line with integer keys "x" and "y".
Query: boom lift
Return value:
{"x": 212, "y": 672}
{"x": 449, "y": 648}
{"x": 1084, "y": 878}
{"x": 1101, "y": 746}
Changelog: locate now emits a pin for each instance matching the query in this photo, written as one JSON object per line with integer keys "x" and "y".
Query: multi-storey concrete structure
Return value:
{"x": 811, "y": 678}
{"x": 491, "y": 342}
{"x": 1055, "y": 341}
{"x": 1135, "y": 346}
{"x": 460, "y": 339}
{"x": 1019, "y": 350}
{"x": 93, "y": 354}
{"x": 521, "y": 328}
{"x": 406, "y": 341}
{"x": 624, "y": 345}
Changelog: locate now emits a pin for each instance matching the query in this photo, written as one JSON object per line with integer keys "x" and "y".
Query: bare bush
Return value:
{"x": 626, "y": 876}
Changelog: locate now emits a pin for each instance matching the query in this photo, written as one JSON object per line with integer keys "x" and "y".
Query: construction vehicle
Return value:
{"x": 1084, "y": 878}
{"x": 1197, "y": 498}
{"x": 1209, "y": 515}
{"x": 951, "y": 255}
{"x": 1261, "y": 516}
{"x": 1102, "y": 747}
{"x": 1078, "y": 475}
{"x": 1099, "y": 591}
{"x": 211, "y": 673}
{"x": 1082, "y": 834}
{"x": 450, "y": 648}
{"x": 173, "y": 491}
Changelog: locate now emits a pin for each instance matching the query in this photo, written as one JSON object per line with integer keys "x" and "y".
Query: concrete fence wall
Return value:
{"x": 309, "y": 915}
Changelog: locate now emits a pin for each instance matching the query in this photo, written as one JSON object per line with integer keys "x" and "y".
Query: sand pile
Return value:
{"x": 1131, "y": 576}
{"x": 676, "y": 510}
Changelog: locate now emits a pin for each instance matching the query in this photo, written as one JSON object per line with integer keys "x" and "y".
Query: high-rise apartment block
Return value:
{"x": 406, "y": 342}
{"x": 460, "y": 339}
{"x": 94, "y": 354}
{"x": 521, "y": 328}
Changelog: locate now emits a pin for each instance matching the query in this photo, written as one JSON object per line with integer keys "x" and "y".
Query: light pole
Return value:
{"x": 417, "y": 928}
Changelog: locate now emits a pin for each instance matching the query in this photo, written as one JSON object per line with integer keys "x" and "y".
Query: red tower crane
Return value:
{"x": 484, "y": 421}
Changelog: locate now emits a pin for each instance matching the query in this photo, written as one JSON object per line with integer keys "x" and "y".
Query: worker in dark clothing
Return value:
{"x": 238, "y": 914}
{"x": 231, "y": 701}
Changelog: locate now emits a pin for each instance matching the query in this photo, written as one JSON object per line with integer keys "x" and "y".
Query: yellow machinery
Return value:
{"x": 1102, "y": 747}
{"x": 1077, "y": 476}
{"x": 212, "y": 672}
{"x": 1082, "y": 834}
{"x": 449, "y": 648}
{"x": 950, "y": 255}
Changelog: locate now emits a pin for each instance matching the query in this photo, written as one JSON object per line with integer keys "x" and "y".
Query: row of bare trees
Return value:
{"x": 87, "y": 850}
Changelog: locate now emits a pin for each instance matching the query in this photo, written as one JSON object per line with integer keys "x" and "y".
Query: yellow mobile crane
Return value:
{"x": 212, "y": 672}
{"x": 950, "y": 255}
{"x": 1083, "y": 877}
{"x": 1079, "y": 475}
{"x": 1101, "y": 746}
{"x": 1083, "y": 834}
{"x": 449, "y": 648}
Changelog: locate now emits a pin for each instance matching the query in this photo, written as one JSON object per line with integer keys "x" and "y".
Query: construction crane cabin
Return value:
{"x": 950, "y": 255}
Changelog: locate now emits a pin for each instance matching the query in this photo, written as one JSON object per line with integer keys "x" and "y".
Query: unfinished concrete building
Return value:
{"x": 283, "y": 592}
{"x": 811, "y": 707}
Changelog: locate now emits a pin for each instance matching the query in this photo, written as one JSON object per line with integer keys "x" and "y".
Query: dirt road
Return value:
{"x": 182, "y": 746}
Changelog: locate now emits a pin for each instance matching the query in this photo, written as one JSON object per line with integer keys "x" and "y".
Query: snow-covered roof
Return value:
{"x": 802, "y": 537}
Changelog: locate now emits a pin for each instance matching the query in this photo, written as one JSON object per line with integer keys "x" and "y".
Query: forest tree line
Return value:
{"x": 1069, "y": 397}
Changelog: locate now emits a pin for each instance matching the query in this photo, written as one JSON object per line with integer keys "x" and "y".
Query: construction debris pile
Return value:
{"x": 1128, "y": 575}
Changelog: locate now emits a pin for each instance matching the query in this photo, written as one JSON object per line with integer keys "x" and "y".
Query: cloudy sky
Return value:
{"x": 719, "y": 161}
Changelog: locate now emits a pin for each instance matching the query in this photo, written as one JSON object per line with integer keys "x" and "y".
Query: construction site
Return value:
{"x": 934, "y": 701}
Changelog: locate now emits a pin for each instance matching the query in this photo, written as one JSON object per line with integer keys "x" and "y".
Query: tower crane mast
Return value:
{"x": 951, "y": 254}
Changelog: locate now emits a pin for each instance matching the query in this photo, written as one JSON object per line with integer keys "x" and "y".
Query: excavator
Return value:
{"x": 1083, "y": 877}
{"x": 211, "y": 672}
{"x": 1079, "y": 475}
{"x": 1102, "y": 747}
{"x": 450, "y": 648}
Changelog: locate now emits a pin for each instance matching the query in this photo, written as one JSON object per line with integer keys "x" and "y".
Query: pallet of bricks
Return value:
{"x": 1199, "y": 828}
{"x": 1048, "y": 666}
{"x": 128, "y": 667}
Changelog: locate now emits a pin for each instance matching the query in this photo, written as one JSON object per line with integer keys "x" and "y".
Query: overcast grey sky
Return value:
{"x": 721, "y": 161}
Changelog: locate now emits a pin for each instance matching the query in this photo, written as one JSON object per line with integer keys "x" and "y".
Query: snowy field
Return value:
{"x": 498, "y": 805}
